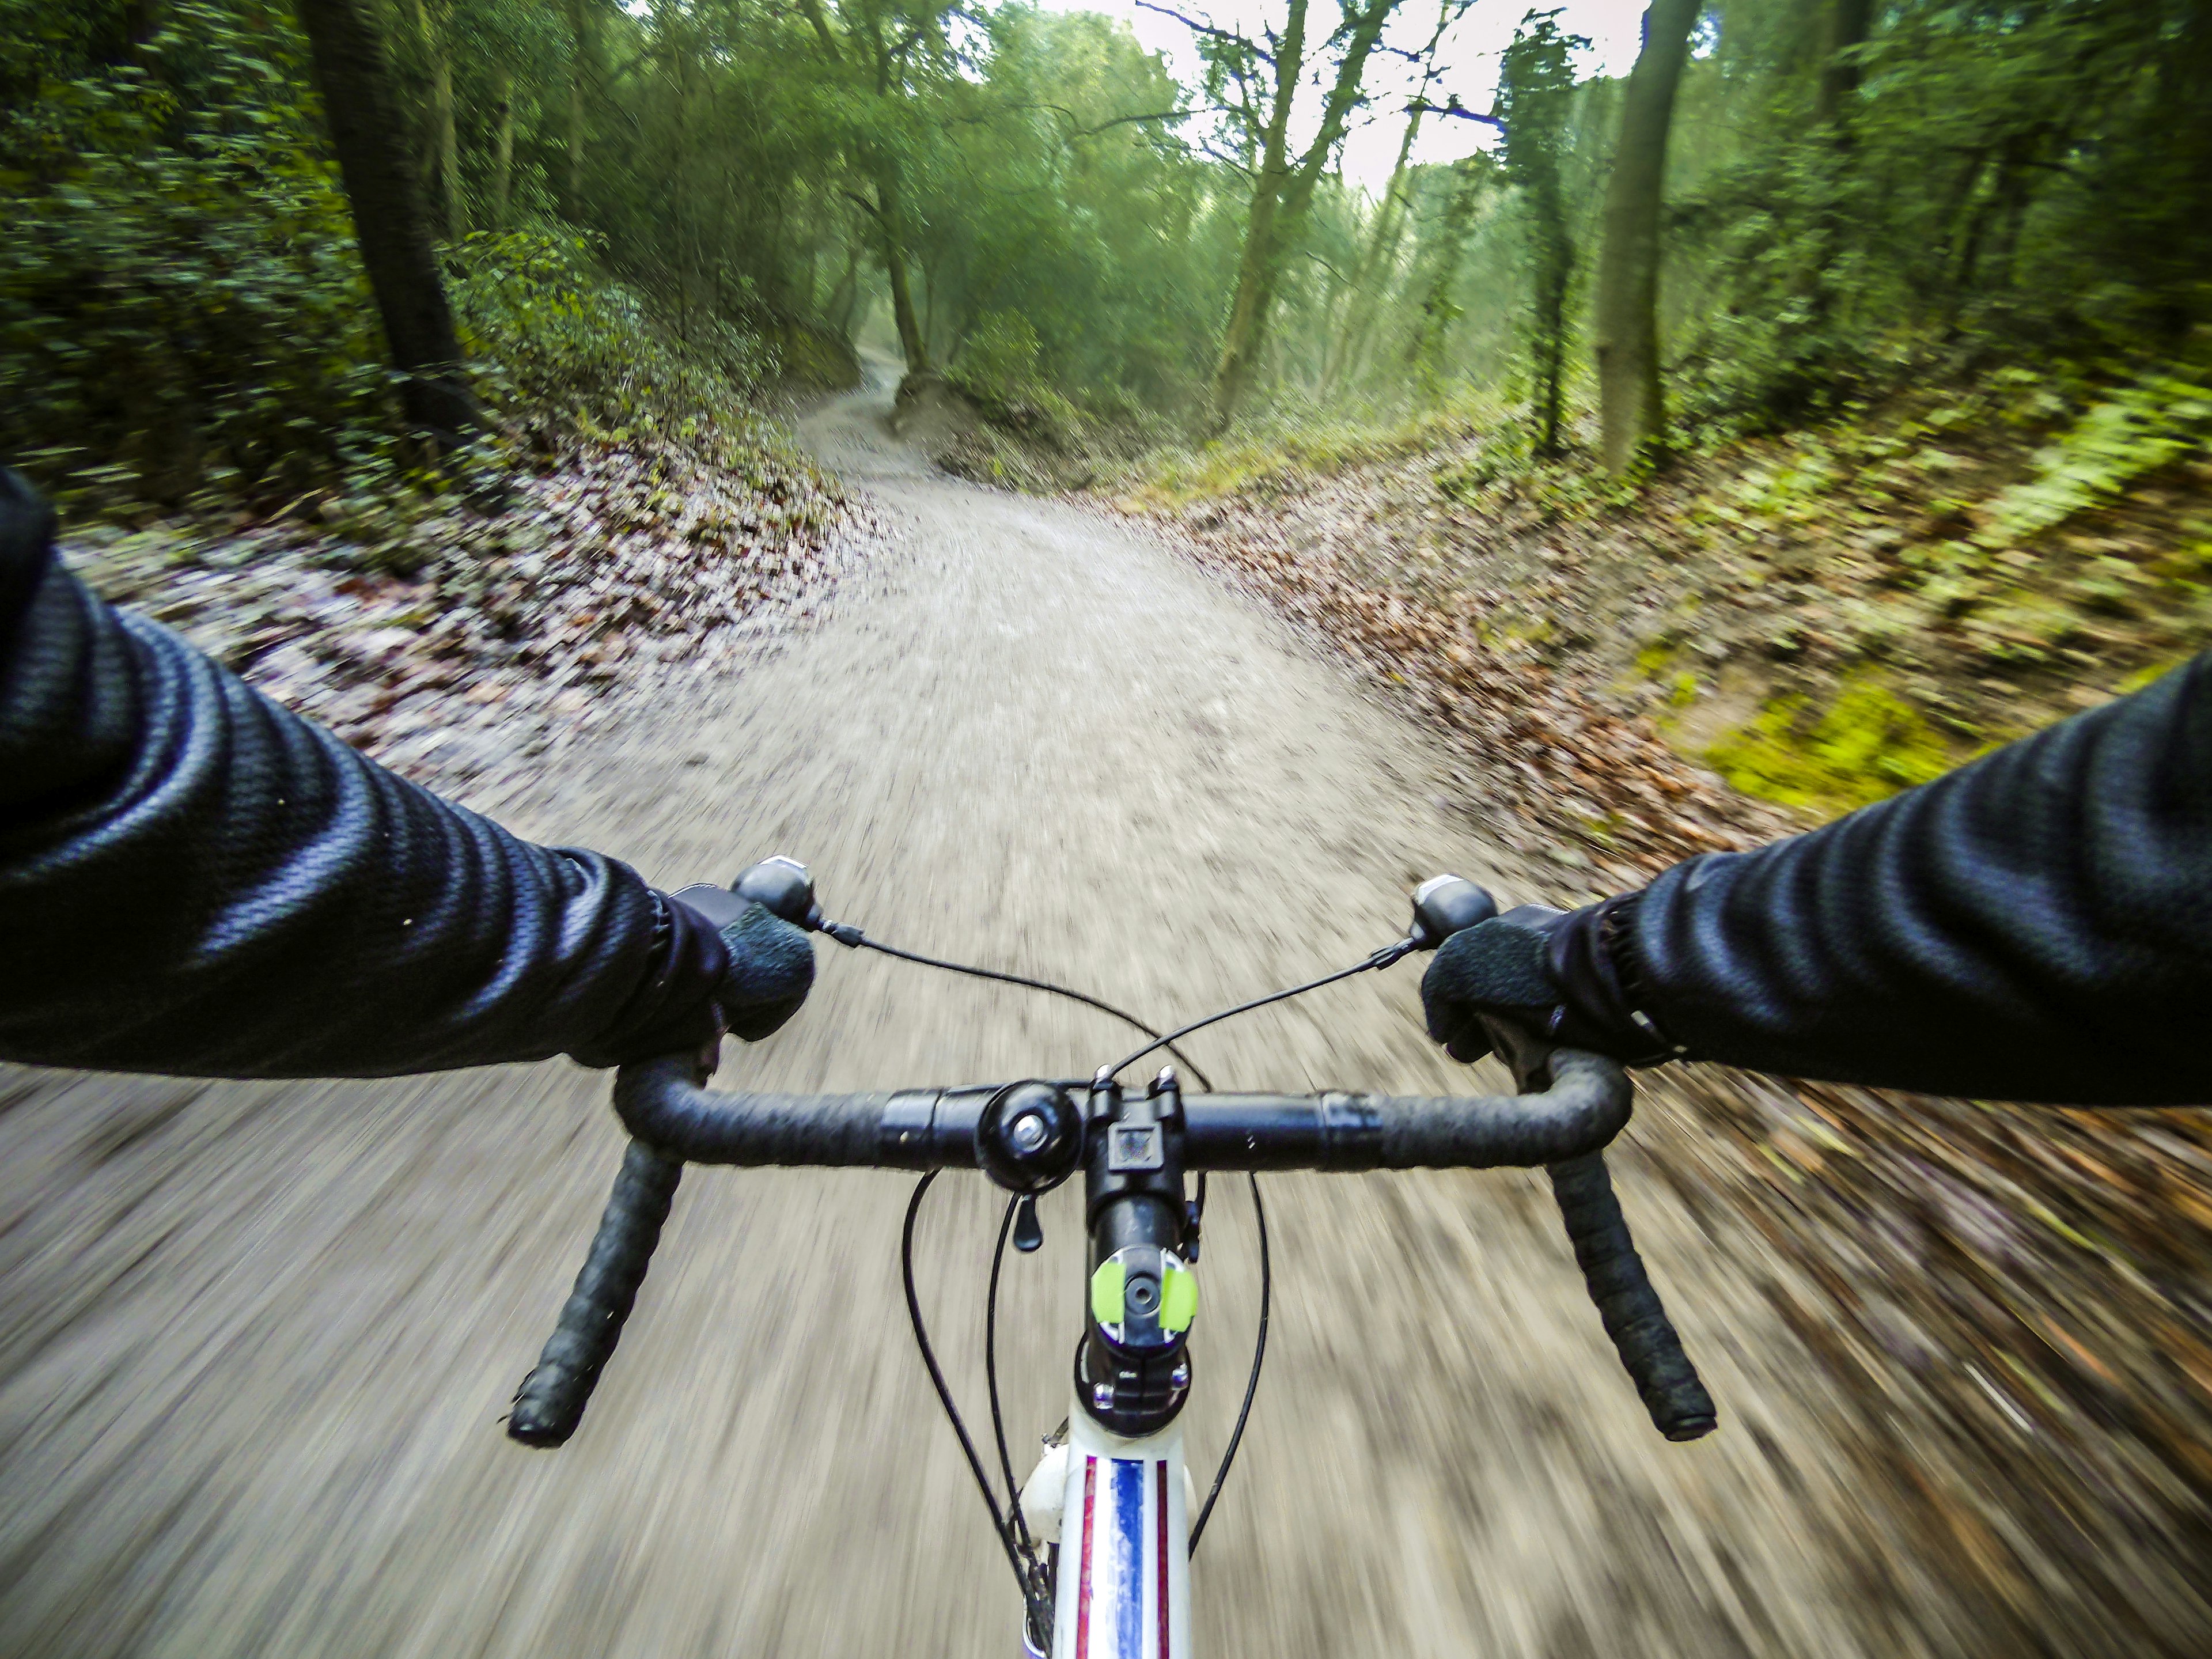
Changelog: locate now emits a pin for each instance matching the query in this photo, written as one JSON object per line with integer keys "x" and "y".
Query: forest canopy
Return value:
{"x": 1789, "y": 205}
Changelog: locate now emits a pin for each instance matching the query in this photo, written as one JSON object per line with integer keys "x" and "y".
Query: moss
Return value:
{"x": 2149, "y": 671}
{"x": 1283, "y": 451}
{"x": 1868, "y": 744}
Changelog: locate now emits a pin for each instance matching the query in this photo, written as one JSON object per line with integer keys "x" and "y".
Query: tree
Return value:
{"x": 1535, "y": 106}
{"x": 1632, "y": 412}
{"x": 583, "y": 55}
{"x": 1844, "y": 26}
{"x": 384, "y": 190}
{"x": 442, "y": 159}
{"x": 1439, "y": 270}
{"x": 1257, "y": 85}
{"x": 1369, "y": 282}
{"x": 887, "y": 50}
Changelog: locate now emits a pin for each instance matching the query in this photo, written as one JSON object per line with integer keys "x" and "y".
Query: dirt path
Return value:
{"x": 257, "y": 1339}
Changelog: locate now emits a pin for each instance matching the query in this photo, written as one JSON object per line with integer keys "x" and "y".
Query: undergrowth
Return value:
{"x": 184, "y": 324}
{"x": 1279, "y": 447}
{"x": 1867, "y": 744}
{"x": 1877, "y": 597}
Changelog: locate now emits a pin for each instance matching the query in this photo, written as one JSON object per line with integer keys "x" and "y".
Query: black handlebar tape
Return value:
{"x": 660, "y": 1102}
{"x": 550, "y": 1402}
{"x": 1586, "y": 1106}
{"x": 1634, "y": 1318}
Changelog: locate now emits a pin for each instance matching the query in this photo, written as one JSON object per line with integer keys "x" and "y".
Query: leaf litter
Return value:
{"x": 2017, "y": 1302}
{"x": 447, "y": 639}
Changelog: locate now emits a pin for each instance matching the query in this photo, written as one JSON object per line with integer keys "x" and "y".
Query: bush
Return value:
{"x": 180, "y": 301}
{"x": 552, "y": 339}
{"x": 998, "y": 362}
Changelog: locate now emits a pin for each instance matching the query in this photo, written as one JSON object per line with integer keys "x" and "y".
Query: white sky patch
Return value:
{"x": 1468, "y": 60}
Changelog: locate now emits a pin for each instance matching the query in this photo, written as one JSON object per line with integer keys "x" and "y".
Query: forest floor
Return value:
{"x": 447, "y": 636}
{"x": 1813, "y": 621}
{"x": 2016, "y": 1302}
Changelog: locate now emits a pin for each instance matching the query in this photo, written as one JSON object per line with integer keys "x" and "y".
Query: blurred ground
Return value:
{"x": 259, "y": 1338}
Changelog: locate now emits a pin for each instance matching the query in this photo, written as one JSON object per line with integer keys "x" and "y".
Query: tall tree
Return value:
{"x": 888, "y": 47}
{"x": 583, "y": 55}
{"x": 442, "y": 158}
{"x": 1380, "y": 256}
{"x": 502, "y": 144}
{"x": 1631, "y": 409}
{"x": 1535, "y": 104}
{"x": 1258, "y": 85}
{"x": 1438, "y": 270}
{"x": 1843, "y": 29}
{"x": 384, "y": 190}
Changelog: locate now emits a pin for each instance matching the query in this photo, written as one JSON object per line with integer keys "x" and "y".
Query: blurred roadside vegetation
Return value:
{"x": 1936, "y": 326}
{"x": 1822, "y": 614}
{"x": 1933, "y": 317}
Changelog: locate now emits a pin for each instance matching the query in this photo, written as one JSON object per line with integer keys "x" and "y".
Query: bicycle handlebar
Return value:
{"x": 1564, "y": 1127}
{"x": 1584, "y": 1109}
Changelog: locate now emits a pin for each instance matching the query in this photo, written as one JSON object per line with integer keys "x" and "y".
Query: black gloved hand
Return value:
{"x": 1548, "y": 972}
{"x": 771, "y": 970}
{"x": 746, "y": 975}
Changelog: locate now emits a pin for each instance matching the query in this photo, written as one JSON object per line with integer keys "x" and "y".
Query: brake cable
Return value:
{"x": 853, "y": 938}
{"x": 1395, "y": 952}
{"x": 1032, "y": 1578}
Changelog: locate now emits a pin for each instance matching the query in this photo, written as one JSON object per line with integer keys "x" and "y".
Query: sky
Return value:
{"x": 1469, "y": 58}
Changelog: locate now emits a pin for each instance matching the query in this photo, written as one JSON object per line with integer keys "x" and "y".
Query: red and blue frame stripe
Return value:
{"x": 1120, "y": 1557}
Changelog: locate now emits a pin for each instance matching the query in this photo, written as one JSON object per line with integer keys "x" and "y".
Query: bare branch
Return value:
{"x": 1198, "y": 27}
{"x": 1455, "y": 107}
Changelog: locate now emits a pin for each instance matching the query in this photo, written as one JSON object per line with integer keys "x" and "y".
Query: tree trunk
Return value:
{"x": 1350, "y": 354}
{"x": 1424, "y": 351}
{"x": 1283, "y": 193}
{"x": 1256, "y": 266}
{"x": 1556, "y": 264}
{"x": 580, "y": 43}
{"x": 355, "y": 79}
{"x": 1844, "y": 27}
{"x": 845, "y": 298}
{"x": 444, "y": 168}
{"x": 502, "y": 154}
{"x": 1382, "y": 248}
{"x": 888, "y": 221}
{"x": 1631, "y": 412}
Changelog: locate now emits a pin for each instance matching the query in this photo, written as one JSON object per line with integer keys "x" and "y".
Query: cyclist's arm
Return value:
{"x": 195, "y": 880}
{"x": 2035, "y": 926}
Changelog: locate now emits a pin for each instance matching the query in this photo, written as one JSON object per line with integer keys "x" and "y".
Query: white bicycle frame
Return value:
{"x": 1120, "y": 1510}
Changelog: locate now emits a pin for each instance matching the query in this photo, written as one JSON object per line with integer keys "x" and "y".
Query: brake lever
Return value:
{"x": 1525, "y": 1054}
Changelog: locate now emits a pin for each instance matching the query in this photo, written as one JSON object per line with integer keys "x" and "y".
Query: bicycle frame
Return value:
{"x": 1120, "y": 1516}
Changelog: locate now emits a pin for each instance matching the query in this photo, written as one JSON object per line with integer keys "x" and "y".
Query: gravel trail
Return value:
{"x": 257, "y": 1338}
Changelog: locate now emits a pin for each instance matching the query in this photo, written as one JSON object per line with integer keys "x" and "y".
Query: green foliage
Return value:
{"x": 1286, "y": 451}
{"x": 1000, "y": 358}
{"x": 1866, "y": 745}
{"x": 181, "y": 302}
{"x": 551, "y": 336}
{"x": 1535, "y": 102}
{"x": 1055, "y": 192}
{"x": 2148, "y": 424}
{"x": 1989, "y": 180}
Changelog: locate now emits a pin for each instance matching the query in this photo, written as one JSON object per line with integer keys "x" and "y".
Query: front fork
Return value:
{"x": 1115, "y": 1494}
